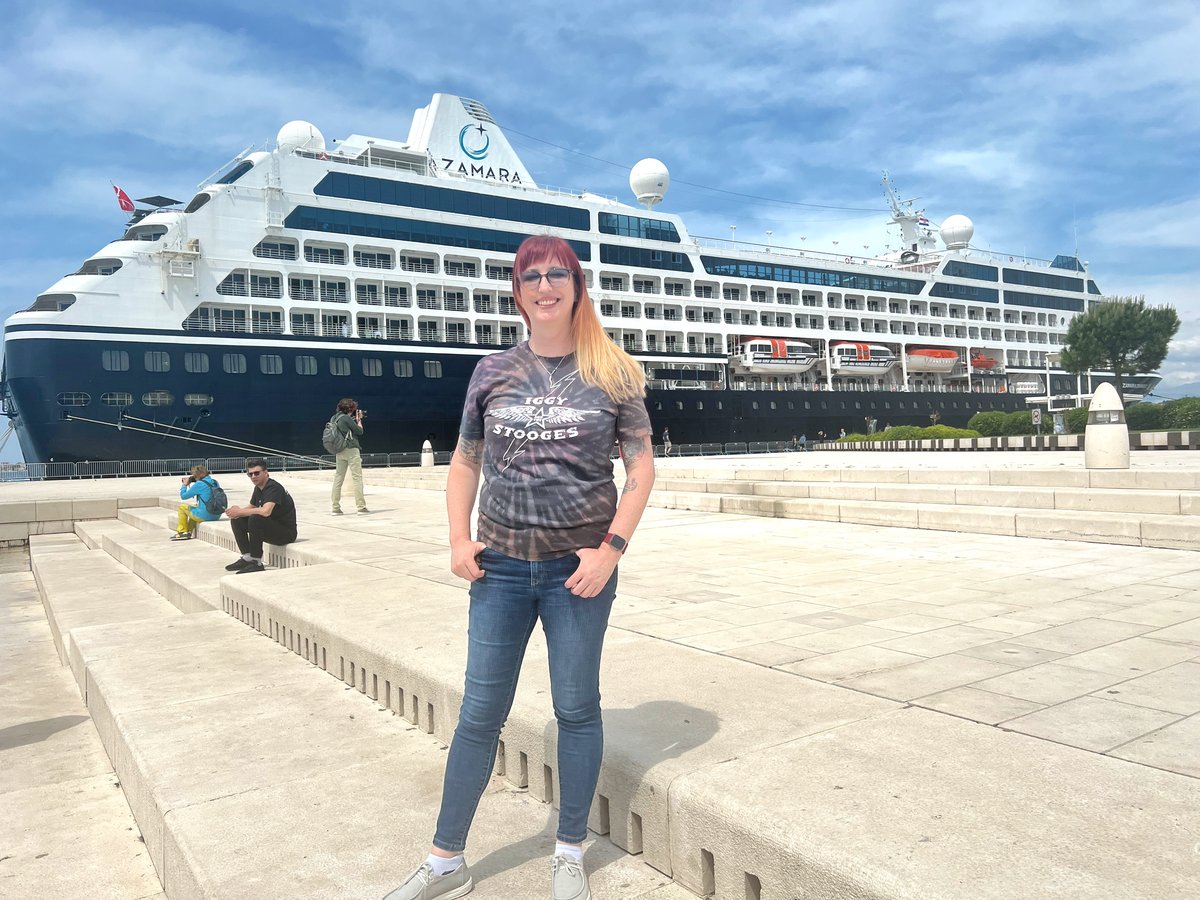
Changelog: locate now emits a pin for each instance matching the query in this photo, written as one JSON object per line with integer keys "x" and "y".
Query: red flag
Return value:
{"x": 123, "y": 200}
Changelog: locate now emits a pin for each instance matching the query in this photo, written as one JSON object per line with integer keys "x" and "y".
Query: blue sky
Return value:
{"x": 1052, "y": 125}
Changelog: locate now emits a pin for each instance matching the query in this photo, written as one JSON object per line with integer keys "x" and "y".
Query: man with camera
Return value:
{"x": 348, "y": 421}
{"x": 270, "y": 518}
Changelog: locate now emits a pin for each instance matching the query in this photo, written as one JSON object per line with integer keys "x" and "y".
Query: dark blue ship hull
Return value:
{"x": 55, "y": 385}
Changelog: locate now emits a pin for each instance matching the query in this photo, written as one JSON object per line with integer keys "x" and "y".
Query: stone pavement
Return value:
{"x": 1005, "y": 673}
{"x": 1096, "y": 646}
{"x": 65, "y": 828}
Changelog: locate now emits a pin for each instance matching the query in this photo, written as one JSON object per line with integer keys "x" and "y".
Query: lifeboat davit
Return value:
{"x": 851, "y": 356}
{"x": 979, "y": 361}
{"x": 932, "y": 360}
{"x": 777, "y": 356}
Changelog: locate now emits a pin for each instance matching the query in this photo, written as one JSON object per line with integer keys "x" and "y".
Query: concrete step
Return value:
{"x": 1090, "y": 499}
{"x": 65, "y": 827}
{"x": 252, "y": 774}
{"x": 183, "y": 573}
{"x": 90, "y": 587}
{"x": 696, "y": 777}
{"x": 681, "y": 722}
{"x": 1176, "y": 532}
{"x": 813, "y": 471}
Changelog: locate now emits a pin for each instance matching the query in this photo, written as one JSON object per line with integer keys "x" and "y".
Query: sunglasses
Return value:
{"x": 557, "y": 277}
{"x": 256, "y": 473}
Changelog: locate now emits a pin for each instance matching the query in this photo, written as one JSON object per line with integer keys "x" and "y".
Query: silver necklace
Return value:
{"x": 549, "y": 372}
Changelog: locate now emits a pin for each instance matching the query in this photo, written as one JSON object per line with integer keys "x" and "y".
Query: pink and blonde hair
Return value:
{"x": 601, "y": 362}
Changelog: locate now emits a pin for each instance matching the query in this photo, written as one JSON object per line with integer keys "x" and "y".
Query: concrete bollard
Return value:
{"x": 426, "y": 455}
{"x": 1106, "y": 440}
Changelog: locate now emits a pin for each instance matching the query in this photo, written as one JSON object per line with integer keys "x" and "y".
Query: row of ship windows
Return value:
{"x": 417, "y": 196}
{"x": 265, "y": 285}
{"x": 826, "y": 405}
{"x": 960, "y": 269}
{"x": 166, "y": 398}
{"x": 268, "y": 364}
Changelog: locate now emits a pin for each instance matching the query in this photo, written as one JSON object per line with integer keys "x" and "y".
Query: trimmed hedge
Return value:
{"x": 1018, "y": 423}
{"x": 988, "y": 424}
{"x": 912, "y": 433}
{"x": 1145, "y": 417}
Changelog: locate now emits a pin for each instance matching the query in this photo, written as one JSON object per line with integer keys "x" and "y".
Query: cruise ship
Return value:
{"x": 381, "y": 270}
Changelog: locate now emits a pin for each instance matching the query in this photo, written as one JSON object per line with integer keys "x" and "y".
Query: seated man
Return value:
{"x": 270, "y": 517}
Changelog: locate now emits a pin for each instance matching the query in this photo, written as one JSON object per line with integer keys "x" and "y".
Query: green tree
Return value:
{"x": 1121, "y": 334}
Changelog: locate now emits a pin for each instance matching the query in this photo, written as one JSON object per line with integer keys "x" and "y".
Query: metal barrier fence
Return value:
{"x": 226, "y": 464}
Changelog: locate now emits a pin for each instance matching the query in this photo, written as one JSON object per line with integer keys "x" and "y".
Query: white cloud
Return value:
{"x": 1165, "y": 225}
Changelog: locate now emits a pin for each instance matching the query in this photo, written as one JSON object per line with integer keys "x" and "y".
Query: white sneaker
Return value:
{"x": 424, "y": 885}
{"x": 569, "y": 881}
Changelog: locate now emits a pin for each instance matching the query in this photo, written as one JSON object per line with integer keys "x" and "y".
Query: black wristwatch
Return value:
{"x": 615, "y": 541}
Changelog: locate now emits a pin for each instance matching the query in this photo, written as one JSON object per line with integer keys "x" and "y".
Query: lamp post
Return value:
{"x": 732, "y": 232}
{"x": 769, "y": 233}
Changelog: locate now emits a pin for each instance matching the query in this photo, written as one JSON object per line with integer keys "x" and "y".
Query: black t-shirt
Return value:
{"x": 284, "y": 513}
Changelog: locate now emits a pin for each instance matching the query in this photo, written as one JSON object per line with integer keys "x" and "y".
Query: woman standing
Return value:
{"x": 539, "y": 422}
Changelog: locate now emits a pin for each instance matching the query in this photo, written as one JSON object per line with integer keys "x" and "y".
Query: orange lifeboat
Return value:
{"x": 932, "y": 359}
{"x": 979, "y": 361}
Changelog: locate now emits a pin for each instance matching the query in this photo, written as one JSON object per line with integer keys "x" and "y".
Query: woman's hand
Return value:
{"x": 595, "y": 568}
{"x": 463, "y": 559}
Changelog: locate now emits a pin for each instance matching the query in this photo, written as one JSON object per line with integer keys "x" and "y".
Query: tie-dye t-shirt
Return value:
{"x": 547, "y": 438}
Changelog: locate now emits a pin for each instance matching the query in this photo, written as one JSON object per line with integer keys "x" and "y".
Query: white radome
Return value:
{"x": 957, "y": 231}
{"x": 299, "y": 134}
{"x": 649, "y": 180}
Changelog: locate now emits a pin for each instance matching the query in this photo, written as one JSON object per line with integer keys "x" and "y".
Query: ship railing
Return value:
{"x": 103, "y": 469}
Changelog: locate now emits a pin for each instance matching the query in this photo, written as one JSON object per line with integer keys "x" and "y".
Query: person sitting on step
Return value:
{"x": 270, "y": 517}
{"x": 199, "y": 487}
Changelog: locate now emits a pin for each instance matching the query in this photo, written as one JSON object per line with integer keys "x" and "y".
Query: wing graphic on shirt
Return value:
{"x": 542, "y": 415}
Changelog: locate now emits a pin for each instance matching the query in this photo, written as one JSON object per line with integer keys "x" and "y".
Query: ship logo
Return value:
{"x": 474, "y": 152}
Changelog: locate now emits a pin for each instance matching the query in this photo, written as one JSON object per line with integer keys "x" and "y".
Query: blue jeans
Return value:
{"x": 505, "y": 605}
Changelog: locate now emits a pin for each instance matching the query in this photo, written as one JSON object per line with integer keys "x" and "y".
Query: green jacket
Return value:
{"x": 346, "y": 424}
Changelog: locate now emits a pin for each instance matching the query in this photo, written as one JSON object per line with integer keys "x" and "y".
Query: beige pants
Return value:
{"x": 350, "y": 458}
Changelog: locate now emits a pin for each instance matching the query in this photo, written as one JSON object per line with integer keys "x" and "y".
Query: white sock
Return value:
{"x": 247, "y": 557}
{"x": 443, "y": 866}
{"x": 561, "y": 849}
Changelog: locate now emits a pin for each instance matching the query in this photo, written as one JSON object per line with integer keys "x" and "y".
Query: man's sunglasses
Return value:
{"x": 256, "y": 473}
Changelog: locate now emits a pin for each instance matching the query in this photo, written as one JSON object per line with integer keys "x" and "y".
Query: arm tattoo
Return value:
{"x": 633, "y": 449}
{"x": 630, "y": 485}
{"x": 471, "y": 451}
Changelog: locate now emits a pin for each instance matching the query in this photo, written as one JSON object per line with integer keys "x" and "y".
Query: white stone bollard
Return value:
{"x": 426, "y": 455}
{"x": 1106, "y": 440}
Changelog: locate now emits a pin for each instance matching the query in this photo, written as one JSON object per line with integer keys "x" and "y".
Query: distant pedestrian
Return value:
{"x": 803, "y": 443}
{"x": 270, "y": 518}
{"x": 348, "y": 421}
{"x": 345, "y": 329}
{"x": 821, "y": 436}
{"x": 666, "y": 442}
{"x": 841, "y": 432}
{"x": 794, "y": 444}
